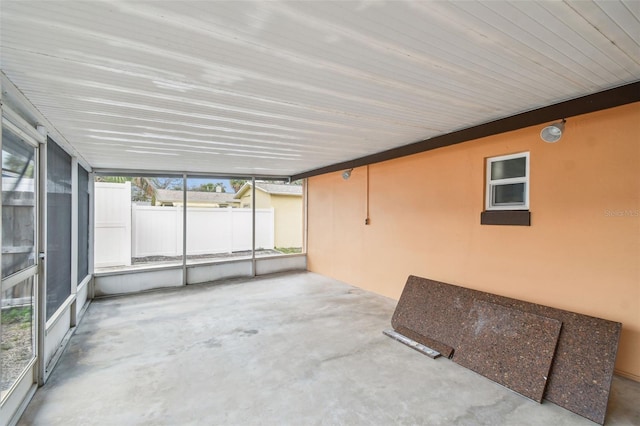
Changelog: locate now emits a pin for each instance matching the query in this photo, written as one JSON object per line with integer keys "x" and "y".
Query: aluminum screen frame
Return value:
{"x": 59, "y": 207}
{"x": 84, "y": 200}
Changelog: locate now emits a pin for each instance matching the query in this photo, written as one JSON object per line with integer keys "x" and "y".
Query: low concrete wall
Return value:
{"x": 218, "y": 271}
{"x": 135, "y": 281}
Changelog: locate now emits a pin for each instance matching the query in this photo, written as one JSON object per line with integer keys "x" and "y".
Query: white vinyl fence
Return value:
{"x": 157, "y": 231}
{"x": 125, "y": 230}
{"x": 112, "y": 224}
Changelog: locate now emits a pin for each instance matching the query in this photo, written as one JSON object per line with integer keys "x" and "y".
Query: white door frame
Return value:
{"x": 23, "y": 388}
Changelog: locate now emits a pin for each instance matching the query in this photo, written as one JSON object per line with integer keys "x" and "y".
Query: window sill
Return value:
{"x": 506, "y": 217}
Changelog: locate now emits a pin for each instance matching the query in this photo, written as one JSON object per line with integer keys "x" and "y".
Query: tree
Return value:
{"x": 112, "y": 179}
{"x": 167, "y": 183}
{"x": 21, "y": 166}
{"x": 210, "y": 187}
{"x": 236, "y": 184}
{"x": 144, "y": 188}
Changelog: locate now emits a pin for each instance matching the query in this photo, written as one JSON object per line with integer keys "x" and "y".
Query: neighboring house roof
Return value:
{"x": 171, "y": 196}
{"x": 272, "y": 188}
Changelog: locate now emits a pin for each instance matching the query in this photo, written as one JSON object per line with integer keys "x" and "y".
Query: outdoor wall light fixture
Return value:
{"x": 553, "y": 132}
{"x": 346, "y": 174}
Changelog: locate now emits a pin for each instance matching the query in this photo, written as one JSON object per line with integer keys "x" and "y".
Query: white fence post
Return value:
{"x": 178, "y": 224}
{"x": 112, "y": 245}
{"x": 229, "y": 226}
{"x": 265, "y": 228}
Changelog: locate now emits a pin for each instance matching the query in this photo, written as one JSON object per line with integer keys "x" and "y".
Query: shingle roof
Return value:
{"x": 272, "y": 188}
{"x": 171, "y": 196}
{"x": 280, "y": 188}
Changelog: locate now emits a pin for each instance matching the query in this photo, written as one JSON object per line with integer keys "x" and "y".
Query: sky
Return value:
{"x": 191, "y": 182}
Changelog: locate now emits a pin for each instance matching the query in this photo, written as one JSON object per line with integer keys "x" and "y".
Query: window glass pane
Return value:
{"x": 512, "y": 194}
{"x": 18, "y": 204}
{"x": 219, "y": 227}
{"x": 136, "y": 224}
{"x": 83, "y": 223}
{"x": 17, "y": 337}
{"x": 505, "y": 169}
{"x": 58, "y": 261}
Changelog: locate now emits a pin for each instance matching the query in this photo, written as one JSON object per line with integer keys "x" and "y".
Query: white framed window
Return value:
{"x": 508, "y": 182}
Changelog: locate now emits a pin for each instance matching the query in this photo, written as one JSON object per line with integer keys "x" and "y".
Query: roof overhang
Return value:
{"x": 611, "y": 98}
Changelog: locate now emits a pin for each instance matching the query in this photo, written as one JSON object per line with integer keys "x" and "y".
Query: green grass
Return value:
{"x": 289, "y": 250}
{"x": 16, "y": 315}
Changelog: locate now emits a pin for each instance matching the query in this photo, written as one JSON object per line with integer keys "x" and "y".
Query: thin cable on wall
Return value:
{"x": 367, "y": 220}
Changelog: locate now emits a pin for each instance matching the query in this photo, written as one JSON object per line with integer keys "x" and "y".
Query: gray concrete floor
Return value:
{"x": 291, "y": 349}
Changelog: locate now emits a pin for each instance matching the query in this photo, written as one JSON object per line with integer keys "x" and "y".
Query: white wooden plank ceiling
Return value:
{"x": 278, "y": 88}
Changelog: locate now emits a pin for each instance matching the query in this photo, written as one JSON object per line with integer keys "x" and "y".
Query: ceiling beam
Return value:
{"x": 190, "y": 175}
{"x": 611, "y": 98}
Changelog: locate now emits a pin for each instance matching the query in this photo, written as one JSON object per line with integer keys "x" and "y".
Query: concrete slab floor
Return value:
{"x": 289, "y": 349}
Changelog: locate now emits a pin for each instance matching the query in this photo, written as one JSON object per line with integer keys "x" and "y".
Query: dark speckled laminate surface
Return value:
{"x": 582, "y": 368}
{"x": 508, "y": 346}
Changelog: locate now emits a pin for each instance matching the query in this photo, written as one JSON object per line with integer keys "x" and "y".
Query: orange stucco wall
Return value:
{"x": 581, "y": 253}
